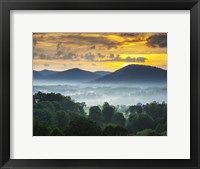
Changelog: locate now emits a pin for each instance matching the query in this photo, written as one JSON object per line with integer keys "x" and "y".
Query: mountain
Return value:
{"x": 76, "y": 75}
{"x": 46, "y": 72}
{"x": 129, "y": 74}
{"x": 37, "y": 75}
{"x": 136, "y": 74}
{"x": 102, "y": 73}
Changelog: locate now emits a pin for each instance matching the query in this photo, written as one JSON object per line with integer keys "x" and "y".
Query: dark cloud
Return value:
{"x": 100, "y": 55}
{"x": 133, "y": 37}
{"x": 70, "y": 56}
{"x": 127, "y": 59}
{"x": 77, "y": 39}
{"x": 158, "y": 40}
{"x": 94, "y": 40}
{"x": 34, "y": 43}
{"x": 131, "y": 34}
{"x": 58, "y": 46}
{"x": 89, "y": 56}
{"x": 35, "y": 40}
{"x": 59, "y": 53}
{"x": 117, "y": 58}
{"x": 111, "y": 56}
{"x": 34, "y": 54}
{"x": 42, "y": 56}
{"x": 141, "y": 59}
{"x": 46, "y": 65}
{"x": 92, "y": 47}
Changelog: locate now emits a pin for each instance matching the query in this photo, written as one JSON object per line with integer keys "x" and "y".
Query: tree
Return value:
{"x": 56, "y": 132}
{"x": 120, "y": 131}
{"x": 82, "y": 126}
{"x": 61, "y": 119}
{"x": 95, "y": 114}
{"x": 137, "y": 122}
{"x": 40, "y": 128}
{"x": 135, "y": 109}
{"x": 106, "y": 104}
{"x": 109, "y": 130}
{"x": 112, "y": 130}
{"x": 42, "y": 115}
{"x": 161, "y": 127}
{"x": 156, "y": 110}
{"x": 49, "y": 97}
{"x": 108, "y": 112}
{"x": 119, "y": 119}
{"x": 131, "y": 110}
{"x": 139, "y": 108}
{"x": 147, "y": 132}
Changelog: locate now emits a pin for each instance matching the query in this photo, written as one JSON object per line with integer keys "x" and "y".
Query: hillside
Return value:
{"x": 135, "y": 73}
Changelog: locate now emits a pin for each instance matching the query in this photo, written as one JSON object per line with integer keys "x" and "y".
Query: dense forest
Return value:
{"x": 58, "y": 115}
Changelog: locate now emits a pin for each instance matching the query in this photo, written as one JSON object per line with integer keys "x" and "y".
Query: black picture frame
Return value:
{"x": 7, "y": 5}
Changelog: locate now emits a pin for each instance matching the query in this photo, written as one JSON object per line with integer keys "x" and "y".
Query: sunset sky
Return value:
{"x": 98, "y": 51}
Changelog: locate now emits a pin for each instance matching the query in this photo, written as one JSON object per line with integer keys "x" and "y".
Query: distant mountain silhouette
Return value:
{"x": 46, "y": 72}
{"x": 135, "y": 74}
{"x": 37, "y": 75}
{"x": 129, "y": 74}
{"x": 102, "y": 73}
{"x": 75, "y": 75}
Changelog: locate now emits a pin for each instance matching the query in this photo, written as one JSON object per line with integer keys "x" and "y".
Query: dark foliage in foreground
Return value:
{"x": 57, "y": 115}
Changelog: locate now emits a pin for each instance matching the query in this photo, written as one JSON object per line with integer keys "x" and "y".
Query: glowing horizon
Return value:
{"x": 93, "y": 71}
{"x": 98, "y": 51}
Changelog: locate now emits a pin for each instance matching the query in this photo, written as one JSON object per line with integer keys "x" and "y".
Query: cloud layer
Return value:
{"x": 98, "y": 47}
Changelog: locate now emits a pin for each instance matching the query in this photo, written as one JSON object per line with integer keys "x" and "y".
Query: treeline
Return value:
{"x": 57, "y": 115}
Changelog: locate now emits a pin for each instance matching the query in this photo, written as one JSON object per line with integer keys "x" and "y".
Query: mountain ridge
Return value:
{"x": 135, "y": 73}
{"x": 128, "y": 74}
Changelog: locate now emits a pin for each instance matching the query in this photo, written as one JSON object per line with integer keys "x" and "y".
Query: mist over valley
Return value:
{"x": 127, "y": 86}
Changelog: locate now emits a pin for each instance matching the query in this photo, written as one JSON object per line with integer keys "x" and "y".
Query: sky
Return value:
{"x": 98, "y": 51}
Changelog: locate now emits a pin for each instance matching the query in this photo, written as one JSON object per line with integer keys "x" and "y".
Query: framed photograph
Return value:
{"x": 101, "y": 84}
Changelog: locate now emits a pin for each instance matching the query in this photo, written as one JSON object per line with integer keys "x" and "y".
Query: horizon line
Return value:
{"x": 100, "y": 70}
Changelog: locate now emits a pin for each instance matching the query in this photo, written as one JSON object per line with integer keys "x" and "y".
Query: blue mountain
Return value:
{"x": 129, "y": 74}
{"x": 102, "y": 73}
{"x": 75, "y": 75}
{"x": 135, "y": 73}
{"x": 46, "y": 72}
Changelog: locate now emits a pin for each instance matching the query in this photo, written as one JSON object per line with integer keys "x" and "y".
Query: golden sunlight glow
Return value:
{"x": 98, "y": 51}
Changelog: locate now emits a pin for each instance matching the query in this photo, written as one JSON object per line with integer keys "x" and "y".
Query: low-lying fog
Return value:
{"x": 117, "y": 94}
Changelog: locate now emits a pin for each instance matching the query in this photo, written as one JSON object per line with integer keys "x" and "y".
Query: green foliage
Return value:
{"x": 112, "y": 130}
{"x": 58, "y": 115}
{"x": 95, "y": 114}
{"x": 41, "y": 128}
{"x": 161, "y": 127}
{"x": 137, "y": 122}
{"x": 147, "y": 132}
{"x": 56, "y": 132}
{"x": 108, "y": 112}
{"x": 42, "y": 115}
{"x": 164, "y": 133}
{"x": 106, "y": 104}
{"x": 58, "y": 102}
{"x": 119, "y": 119}
{"x": 82, "y": 126}
{"x": 61, "y": 119}
{"x": 135, "y": 109}
{"x": 49, "y": 97}
{"x": 156, "y": 110}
